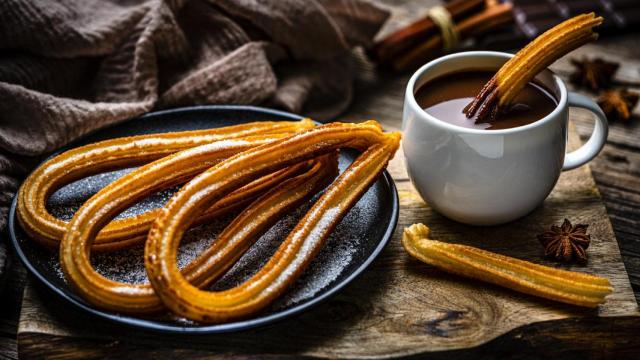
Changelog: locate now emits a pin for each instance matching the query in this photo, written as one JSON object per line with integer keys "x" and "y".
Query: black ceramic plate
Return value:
{"x": 352, "y": 247}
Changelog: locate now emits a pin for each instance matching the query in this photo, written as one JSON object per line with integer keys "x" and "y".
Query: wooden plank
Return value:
{"x": 605, "y": 336}
{"x": 10, "y": 304}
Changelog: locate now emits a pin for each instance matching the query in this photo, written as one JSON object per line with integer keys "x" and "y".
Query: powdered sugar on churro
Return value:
{"x": 329, "y": 266}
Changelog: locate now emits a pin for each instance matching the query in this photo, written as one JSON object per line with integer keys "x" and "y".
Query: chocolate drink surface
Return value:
{"x": 446, "y": 96}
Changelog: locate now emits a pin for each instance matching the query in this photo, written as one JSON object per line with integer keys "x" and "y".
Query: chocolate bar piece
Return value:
{"x": 533, "y": 17}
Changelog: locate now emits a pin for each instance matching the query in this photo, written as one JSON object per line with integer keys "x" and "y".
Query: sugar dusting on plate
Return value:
{"x": 127, "y": 265}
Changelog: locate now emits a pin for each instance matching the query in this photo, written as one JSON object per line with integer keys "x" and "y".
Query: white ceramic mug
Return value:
{"x": 489, "y": 177}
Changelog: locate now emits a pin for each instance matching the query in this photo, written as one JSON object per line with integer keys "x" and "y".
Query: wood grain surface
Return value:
{"x": 400, "y": 306}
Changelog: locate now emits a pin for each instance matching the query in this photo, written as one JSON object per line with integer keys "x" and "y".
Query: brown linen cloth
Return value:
{"x": 70, "y": 66}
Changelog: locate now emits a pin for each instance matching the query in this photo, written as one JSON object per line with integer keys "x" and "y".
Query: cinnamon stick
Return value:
{"x": 408, "y": 37}
{"x": 490, "y": 18}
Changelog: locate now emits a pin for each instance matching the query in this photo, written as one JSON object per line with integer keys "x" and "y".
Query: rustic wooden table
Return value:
{"x": 617, "y": 174}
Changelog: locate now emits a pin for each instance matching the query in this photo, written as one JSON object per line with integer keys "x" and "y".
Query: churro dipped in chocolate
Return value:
{"x": 496, "y": 96}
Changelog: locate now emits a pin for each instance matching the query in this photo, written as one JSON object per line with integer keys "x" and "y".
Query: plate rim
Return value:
{"x": 240, "y": 325}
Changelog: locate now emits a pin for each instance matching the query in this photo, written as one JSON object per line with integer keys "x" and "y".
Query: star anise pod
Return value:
{"x": 567, "y": 242}
{"x": 595, "y": 74}
{"x": 618, "y": 104}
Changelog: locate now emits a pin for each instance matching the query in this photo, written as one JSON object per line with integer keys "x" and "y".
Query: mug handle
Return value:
{"x": 596, "y": 142}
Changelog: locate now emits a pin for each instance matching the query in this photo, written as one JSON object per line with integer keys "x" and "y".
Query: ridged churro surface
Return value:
{"x": 296, "y": 250}
{"x": 120, "y": 153}
{"x": 560, "y": 285}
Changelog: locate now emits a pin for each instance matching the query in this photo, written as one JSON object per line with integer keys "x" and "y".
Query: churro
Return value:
{"x": 297, "y": 249}
{"x": 497, "y": 95}
{"x": 117, "y": 154}
{"x": 560, "y": 285}
{"x": 305, "y": 180}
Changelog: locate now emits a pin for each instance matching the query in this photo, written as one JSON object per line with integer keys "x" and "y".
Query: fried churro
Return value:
{"x": 496, "y": 96}
{"x": 305, "y": 179}
{"x": 559, "y": 285}
{"x": 122, "y": 153}
{"x": 297, "y": 249}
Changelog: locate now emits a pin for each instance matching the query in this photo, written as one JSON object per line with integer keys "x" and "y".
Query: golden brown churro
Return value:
{"x": 297, "y": 249}
{"x": 523, "y": 276}
{"x": 305, "y": 179}
{"x": 121, "y": 153}
{"x": 499, "y": 92}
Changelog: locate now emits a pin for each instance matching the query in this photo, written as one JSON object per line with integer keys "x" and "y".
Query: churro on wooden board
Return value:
{"x": 560, "y": 285}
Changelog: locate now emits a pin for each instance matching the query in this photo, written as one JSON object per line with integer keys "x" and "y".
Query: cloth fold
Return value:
{"x": 68, "y": 67}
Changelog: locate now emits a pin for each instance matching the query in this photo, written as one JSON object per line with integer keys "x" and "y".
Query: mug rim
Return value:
{"x": 410, "y": 96}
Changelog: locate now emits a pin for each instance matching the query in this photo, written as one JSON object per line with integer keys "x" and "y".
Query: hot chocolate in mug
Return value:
{"x": 489, "y": 177}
